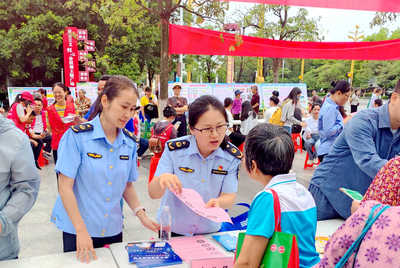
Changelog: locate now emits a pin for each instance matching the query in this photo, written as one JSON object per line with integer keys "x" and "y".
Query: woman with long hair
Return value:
{"x": 248, "y": 118}
{"x": 97, "y": 168}
{"x": 288, "y": 107}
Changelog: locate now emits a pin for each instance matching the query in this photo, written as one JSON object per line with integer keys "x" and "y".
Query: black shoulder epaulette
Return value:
{"x": 176, "y": 145}
{"x": 82, "y": 127}
{"x": 233, "y": 150}
{"x": 129, "y": 134}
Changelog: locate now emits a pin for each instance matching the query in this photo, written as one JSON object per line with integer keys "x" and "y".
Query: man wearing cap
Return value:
{"x": 21, "y": 110}
{"x": 180, "y": 105}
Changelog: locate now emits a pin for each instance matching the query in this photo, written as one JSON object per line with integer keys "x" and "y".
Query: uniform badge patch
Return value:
{"x": 219, "y": 172}
{"x": 186, "y": 169}
{"x": 82, "y": 128}
{"x": 176, "y": 145}
{"x": 94, "y": 155}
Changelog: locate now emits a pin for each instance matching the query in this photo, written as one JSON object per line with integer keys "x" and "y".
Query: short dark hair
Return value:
{"x": 271, "y": 147}
{"x": 315, "y": 104}
{"x": 378, "y": 102}
{"x": 169, "y": 111}
{"x": 275, "y": 93}
{"x": 38, "y": 99}
{"x": 227, "y": 102}
{"x": 105, "y": 77}
{"x": 342, "y": 86}
{"x": 274, "y": 99}
{"x": 42, "y": 91}
{"x": 147, "y": 89}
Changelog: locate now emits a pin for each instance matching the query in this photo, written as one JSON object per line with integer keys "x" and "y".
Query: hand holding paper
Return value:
{"x": 195, "y": 202}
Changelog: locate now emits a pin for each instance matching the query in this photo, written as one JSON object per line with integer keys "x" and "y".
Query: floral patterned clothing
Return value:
{"x": 385, "y": 188}
{"x": 380, "y": 247}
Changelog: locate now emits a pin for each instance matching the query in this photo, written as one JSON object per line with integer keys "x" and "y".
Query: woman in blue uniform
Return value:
{"x": 203, "y": 161}
{"x": 96, "y": 167}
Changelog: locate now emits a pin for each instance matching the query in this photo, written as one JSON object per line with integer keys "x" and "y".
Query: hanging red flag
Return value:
{"x": 371, "y": 5}
{"x": 195, "y": 41}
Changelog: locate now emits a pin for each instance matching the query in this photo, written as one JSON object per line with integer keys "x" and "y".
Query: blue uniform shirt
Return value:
{"x": 330, "y": 125}
{"x": 298, "y": 215}
{"x": 101, "y": 171}
{"x": 357, "y": 155}
{"x": 196, "y": 172}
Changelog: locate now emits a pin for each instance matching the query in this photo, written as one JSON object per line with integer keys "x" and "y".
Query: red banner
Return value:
{"x": 82, "y": 34}
{"x": 195, "y": 41}
{"x": 90, "y": 45}
{"x": 70, "y": 45}
{"x": 371, "y": 5}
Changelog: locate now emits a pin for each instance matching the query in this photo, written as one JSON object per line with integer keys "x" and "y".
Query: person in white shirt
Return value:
{"x": 248, "y": 118}
{"x": 235, "y": 137}
{"x": 273, "y": 106}
{"x": 375, "y": 95}
{"x": 311, "y": 135}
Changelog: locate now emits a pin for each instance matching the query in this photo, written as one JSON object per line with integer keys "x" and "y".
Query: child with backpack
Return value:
{"x": 161, "y": 132}
{"x": 269, "y": 154}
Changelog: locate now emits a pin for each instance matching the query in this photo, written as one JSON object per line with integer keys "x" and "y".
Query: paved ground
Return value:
{"x": 38, "y": 236}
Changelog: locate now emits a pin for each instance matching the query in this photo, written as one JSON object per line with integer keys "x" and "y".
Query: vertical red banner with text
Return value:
{"x": 70, "y": 45}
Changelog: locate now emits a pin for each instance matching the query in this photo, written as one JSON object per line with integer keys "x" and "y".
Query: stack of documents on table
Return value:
{"x": 152, "y": 254}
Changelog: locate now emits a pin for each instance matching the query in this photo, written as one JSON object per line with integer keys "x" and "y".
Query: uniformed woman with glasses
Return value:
{"x": 203, "y": 161}
{"x": 97, "y": 167}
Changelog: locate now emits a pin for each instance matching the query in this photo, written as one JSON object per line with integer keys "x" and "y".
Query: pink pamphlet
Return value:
{"x": 195, "y": 202}
{"x": 226, "y": 262}
{"x": 195, "y": 247}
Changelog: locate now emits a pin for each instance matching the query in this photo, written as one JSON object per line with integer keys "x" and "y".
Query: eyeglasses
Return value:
{"x": 221, "y": 129}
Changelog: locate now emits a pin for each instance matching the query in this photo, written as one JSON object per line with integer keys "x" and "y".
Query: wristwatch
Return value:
{"x": 139, "y": 209}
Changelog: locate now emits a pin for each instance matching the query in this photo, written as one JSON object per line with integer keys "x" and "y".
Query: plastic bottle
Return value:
{"x": 165, "y": 223}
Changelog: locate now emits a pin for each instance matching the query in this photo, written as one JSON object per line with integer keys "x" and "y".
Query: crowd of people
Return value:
{"x": 96, "y": 149}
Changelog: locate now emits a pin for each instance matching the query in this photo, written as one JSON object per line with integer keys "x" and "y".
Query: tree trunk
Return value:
{"x": 165, "y": 12}
{"x": 164, "y": 66}
{"x": 150, "y": 73}
{"x": 276, "y": 65}
{"x": 239, "y": 77}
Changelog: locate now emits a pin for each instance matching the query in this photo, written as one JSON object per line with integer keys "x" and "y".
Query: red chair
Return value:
{"x": 298, "y": 142}
{"x": 41, "y": 160}
{"x": 313, "y": 164}
{"x": 241, "y": 147}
